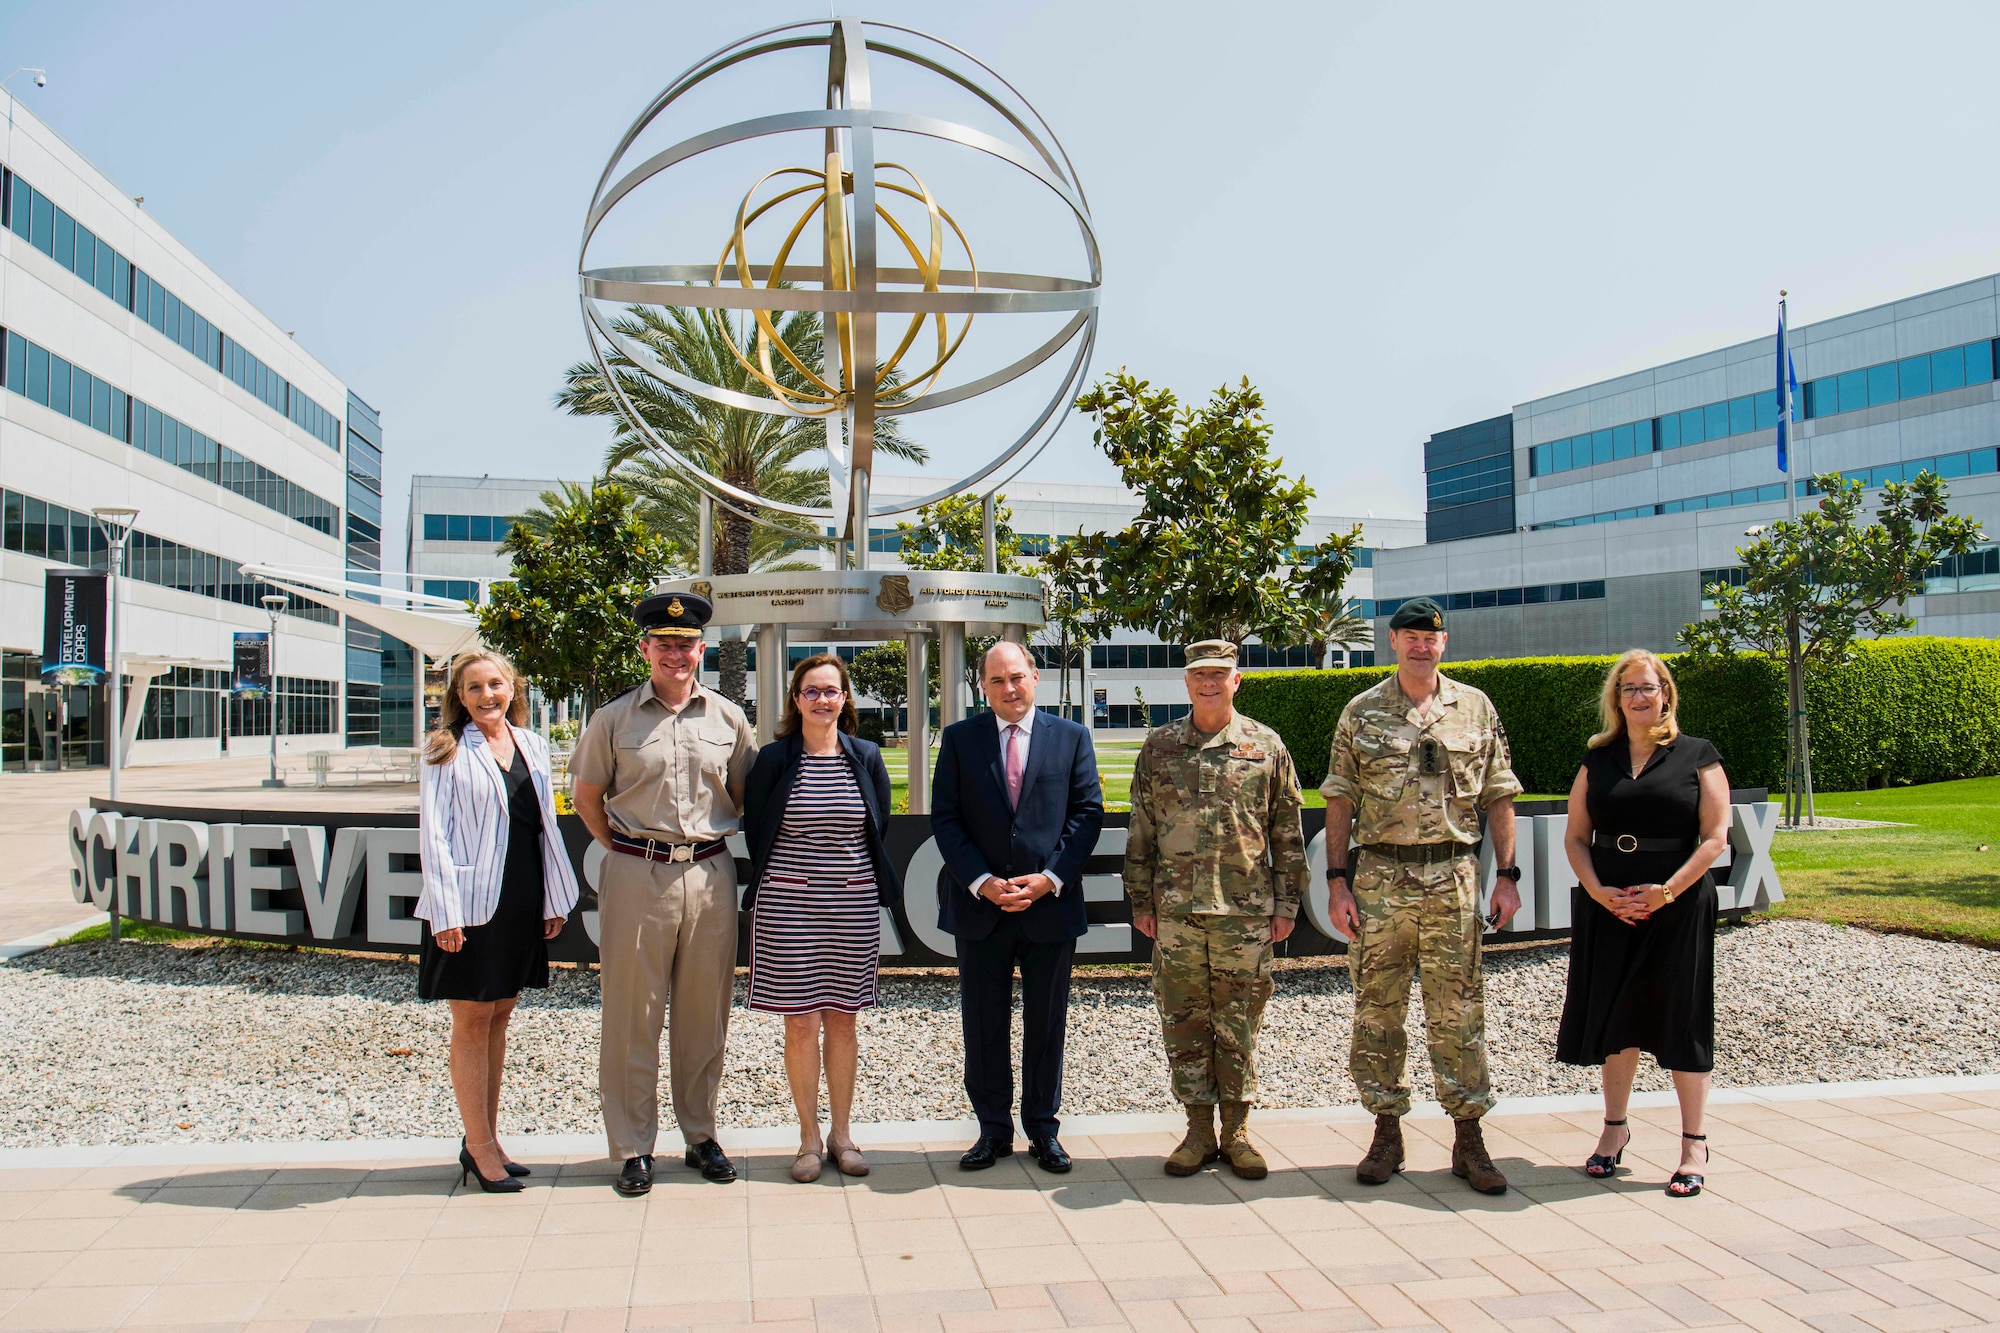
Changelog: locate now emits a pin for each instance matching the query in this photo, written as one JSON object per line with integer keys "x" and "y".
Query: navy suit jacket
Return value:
{"x": 1054, "y": 829}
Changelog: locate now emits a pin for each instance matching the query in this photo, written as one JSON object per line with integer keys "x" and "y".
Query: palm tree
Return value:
{"x": 752, "y": 451}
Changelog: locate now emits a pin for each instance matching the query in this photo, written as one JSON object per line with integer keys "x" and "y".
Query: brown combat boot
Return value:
{"x": 1470, "y": 1163}
{"x": 1385, "y": 1154}
{"x": 1244, "y": 1159}
{"x": 1199, "y": 1148}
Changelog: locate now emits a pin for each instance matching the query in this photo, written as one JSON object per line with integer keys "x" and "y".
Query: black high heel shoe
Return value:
{"x": 1598, "y": 1166}
{"x": 513, "y": 1168}
{"x": 469, "y": 1170}
{"x": 1687, "y": 1184}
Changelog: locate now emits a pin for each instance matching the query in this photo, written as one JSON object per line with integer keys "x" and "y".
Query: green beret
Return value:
{"x": 1418, "y": 613}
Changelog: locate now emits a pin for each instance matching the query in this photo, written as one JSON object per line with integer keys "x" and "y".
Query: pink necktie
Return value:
{"x": 1015, "y": 764}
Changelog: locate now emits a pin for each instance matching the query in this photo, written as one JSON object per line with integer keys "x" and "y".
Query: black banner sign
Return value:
{"x": 73, "y": 627}
{"x": 250, "y": 663}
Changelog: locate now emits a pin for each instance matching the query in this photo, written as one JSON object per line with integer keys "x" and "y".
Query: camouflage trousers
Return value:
{"x": 1422, "y": 917}
{"x": 1211, "y": 978}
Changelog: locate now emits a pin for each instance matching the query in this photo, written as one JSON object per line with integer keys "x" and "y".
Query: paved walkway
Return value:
{"x": 34, "y": 887}
{"x": 1834, "y": 1207}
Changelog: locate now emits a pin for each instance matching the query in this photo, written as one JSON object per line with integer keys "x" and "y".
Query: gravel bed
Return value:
{"x": 1829, "y": 823}
{"x": 211, "y": 1042}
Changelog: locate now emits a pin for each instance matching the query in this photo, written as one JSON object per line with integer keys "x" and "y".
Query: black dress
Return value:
{"x": 508, "y": 952}
{"x": 1651, "y": 985}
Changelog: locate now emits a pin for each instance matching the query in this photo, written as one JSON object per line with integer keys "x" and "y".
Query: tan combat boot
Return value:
{"x": 1244, "y": 1159}
{"x": 1470, "y": 1163}
{"x": 1199, "y": 1148}
{"x": 1385, "y": 1154}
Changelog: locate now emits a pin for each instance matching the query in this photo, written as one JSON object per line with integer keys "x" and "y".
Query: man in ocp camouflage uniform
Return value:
{"x": 1415, "y": 760}
{"x": 1215, "y": 866}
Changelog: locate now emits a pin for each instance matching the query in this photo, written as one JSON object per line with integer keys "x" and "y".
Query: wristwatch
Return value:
{"x": 1335, "y": 872}
{"x": 1508, "y": 872}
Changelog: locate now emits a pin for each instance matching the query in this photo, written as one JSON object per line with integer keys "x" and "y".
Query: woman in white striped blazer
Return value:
{"x": 497, "y": 888}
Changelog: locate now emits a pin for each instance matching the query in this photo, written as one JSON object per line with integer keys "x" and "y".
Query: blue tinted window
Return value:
{"x": 65, "y": 238}
{"x": 434, "y": 527}
{"x": 1767, "y": 410}
{"x": 1622, "y": 445}
{"x": 42, "y": 234}
{"x": 17, "y": 363}
{"x": 23, "y": 207}
{"x": 107, "y": 270}
{"x": 100, "y": 405}
{"x": 1715, "y": 421}
{"x": 1981, "y": 462}
{"x": 1672, "y": 507}
{"x": 1511, "y": 596}
{"x": 85, "y": 263}
{"x": 1774, "y": 491}
{"x": 59, "y": 374}
{"x": 1561, "y": 451}
{"x": 1853, "y": 390}
{"x": 1600, "y": 446}
{"x": 1534, "y": 596}
{"x": 1953, "y": 465}
{"x": 1539, "y": 460}
{"x": 1591, "y": 590}
{"x": 80, "y": 385}
{"x": 1978, "y": 363}
{"x": 458, "y": 528}
{"x": 1947, "y": 369}
{"x": 1913, "y": 377}
{"x": 1742, "y": 416}
{"x": 482, "y": 530}
{"x": 1882, "y": 384}
{"x": 1670, "y": 431}
{"x": 1694, "y": 426}
{"x": 38, "y": 374}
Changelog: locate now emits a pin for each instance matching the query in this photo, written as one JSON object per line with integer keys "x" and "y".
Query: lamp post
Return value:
{"x": 274, "y": 602}
{"x": 114, "y": 522}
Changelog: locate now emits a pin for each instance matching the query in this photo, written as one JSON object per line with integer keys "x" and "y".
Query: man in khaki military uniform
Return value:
{"x": 659, "y": 782}
{"x": 1215, "y": 866}
{"x": 1415, "y": 759}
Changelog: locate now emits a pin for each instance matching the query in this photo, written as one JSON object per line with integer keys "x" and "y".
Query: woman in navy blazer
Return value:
{"x": 815, "y": 807}
{"x": 497, "y": 888}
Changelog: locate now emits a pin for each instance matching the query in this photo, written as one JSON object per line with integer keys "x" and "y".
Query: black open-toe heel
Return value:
{"x": 1597, "y": 1165}
{"x": 1686, "y": 1184}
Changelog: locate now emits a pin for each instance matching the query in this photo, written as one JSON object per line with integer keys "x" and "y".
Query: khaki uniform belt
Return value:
{"x": 656, "y": 849}
{"x": 1421, "y": 853}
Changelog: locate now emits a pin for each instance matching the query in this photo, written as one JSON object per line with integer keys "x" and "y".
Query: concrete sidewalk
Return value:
{"x": 1831, "y": 1207}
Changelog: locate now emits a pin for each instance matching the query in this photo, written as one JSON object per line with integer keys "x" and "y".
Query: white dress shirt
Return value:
{"x": 1027, "y": 726}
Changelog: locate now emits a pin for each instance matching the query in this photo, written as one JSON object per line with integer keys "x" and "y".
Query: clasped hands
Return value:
{"x": 1631, "y": 905}
{"x": 1016, "y": 894}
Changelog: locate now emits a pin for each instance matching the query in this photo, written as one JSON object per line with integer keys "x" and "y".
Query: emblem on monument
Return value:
{"x": 703, "y": 589}
{"x": 894, "y": 596}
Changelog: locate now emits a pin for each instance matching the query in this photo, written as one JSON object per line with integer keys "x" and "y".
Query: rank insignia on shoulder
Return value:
{"x": 1247, "y": 752}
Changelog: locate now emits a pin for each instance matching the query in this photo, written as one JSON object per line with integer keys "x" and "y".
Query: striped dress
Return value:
{"x": 816, "y": 932}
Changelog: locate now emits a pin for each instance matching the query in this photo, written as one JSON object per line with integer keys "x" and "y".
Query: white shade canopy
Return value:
{"x": 438, "y": 627}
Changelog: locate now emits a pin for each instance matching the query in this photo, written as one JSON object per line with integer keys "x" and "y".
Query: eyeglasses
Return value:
{"x": 1638, "y": 691}
{"x": 812, "y": 694}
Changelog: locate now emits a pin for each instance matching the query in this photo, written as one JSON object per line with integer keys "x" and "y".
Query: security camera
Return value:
{"x": 41, "y": 80}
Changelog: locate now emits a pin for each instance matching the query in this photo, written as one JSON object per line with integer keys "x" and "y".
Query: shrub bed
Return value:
{"x": 1901, "y": 710}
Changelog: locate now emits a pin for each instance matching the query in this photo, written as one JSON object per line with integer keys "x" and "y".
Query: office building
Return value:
{"x": 134, "y": 375}
{"x": 1591, "y": 521}
{"x": 454, "y": 523}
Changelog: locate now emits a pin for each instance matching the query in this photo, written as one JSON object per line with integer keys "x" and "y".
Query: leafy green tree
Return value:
{"x": 951, "y": 535}
{"x": 565, "y": 616}
{"x": 1814, "y": 584}
{"x": 764, "y": 455}
{"x": 1214, "y": 549}
{"x": 1077, "y": 616}
{"x": 883, "y": 673}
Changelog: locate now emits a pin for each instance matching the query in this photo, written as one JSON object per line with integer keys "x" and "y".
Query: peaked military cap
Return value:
{"x": 1211, "y": 653}
{"x": 673, "y": 615}
{"x": 1418, "y": 613}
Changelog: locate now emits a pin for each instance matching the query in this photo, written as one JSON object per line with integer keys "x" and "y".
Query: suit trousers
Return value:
{"x": 666, "y": 933}
{"x": 986, "y": 1003}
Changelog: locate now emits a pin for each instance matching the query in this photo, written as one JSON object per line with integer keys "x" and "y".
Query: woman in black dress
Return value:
{"x": 1648, "y": 815}
{"x": 497, "y": 888}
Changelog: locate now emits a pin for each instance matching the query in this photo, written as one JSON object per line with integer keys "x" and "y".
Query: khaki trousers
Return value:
{"x": 667, "y": 931}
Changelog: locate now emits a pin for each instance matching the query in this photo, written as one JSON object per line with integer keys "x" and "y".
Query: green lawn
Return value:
{"x": 1930, "y": 878}
{"x": 1114, "y": 772}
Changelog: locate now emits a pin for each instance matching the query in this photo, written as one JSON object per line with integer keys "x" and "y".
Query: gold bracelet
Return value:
{"x": 1666, "y": 893}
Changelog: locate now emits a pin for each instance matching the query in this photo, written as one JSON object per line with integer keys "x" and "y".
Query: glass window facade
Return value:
{"x": 489, "y": 529}
{"x": 36, "y": 219}
{"x": 67, "y": 536}
{"x": 1469, "y": 479}
{"x": 44, "y": 377}
{"x": 465, "y": 590}
{"x": 1588, "y": 590}
{"x": 305, "y": 708}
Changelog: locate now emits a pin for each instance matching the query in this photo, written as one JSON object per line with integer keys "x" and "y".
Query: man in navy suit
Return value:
{"x": 1015, "y": 808}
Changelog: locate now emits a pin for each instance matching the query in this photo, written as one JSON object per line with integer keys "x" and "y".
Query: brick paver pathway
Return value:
{"x": 1876, "y": 1212}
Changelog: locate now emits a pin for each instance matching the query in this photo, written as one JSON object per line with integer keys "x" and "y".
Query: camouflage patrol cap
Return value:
{"x": 1211, "y": 653}
{"x": 1418, "y": 613}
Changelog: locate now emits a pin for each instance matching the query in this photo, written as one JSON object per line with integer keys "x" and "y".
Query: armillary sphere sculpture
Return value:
{"x": 917, "y": 300}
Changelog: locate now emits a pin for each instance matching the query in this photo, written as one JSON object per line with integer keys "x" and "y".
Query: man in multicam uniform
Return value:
{"x": 1215, "y": 866}
{"x": 1415, "y": 759}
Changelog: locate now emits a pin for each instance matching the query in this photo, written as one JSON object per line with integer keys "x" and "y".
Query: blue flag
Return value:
{"x": 1787, "y": 386}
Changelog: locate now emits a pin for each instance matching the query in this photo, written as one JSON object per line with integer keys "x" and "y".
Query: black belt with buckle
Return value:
{"x": 1421, "y": 853}
{"x": 653, "y": 849}
{"x": 1625, "y": 842}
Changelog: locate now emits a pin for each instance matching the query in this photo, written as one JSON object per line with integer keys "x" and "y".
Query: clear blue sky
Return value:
{"x": 1392, "y": 218}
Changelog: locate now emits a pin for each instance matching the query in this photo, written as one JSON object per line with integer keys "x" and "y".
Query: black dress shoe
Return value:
{"x": 708, "y": 1158}
{"x": 636, "y": 1178}
{"x": 985, "y": 1153}
{"x": 1049, "y": 1154}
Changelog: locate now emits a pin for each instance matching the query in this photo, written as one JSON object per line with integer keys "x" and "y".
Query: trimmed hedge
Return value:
{"x": 1912, "y": 710}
